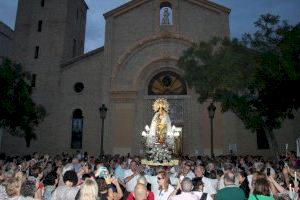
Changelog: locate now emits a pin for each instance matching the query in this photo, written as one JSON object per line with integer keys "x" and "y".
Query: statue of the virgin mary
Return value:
{"x": 161, "y": 124}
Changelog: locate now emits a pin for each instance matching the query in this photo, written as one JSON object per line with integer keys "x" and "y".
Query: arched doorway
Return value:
{"x": 170, "y": 85}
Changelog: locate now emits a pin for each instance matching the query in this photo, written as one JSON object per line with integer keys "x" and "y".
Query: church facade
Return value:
{"x": 136, "y": 65}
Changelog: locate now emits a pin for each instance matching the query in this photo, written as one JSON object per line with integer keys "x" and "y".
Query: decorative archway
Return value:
{"x": 167, "y": 83}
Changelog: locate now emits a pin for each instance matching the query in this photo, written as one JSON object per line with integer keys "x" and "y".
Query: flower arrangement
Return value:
{"x": 159, "y": 153}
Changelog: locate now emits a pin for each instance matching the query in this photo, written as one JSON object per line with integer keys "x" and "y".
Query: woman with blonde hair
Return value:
{"x": 13, "y": 187}
{"x": 261, "y": 190}
{"x": 89, "y": 190}
{"x": 165, "y": 189}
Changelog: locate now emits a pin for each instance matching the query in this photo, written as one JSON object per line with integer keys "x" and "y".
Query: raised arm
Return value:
{"x": 119, "y": 193}
{"x": 278, "y": 187}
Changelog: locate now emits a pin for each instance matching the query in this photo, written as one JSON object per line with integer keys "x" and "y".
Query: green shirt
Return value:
{"x": 260, "y": 197}
{"x": 230, "y": 193}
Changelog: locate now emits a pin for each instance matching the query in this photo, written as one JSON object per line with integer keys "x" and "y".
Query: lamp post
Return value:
{"x": 211, "y": 113}
{"x": 103, "y": 111}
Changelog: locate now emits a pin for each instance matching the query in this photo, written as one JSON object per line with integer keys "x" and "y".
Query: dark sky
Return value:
{"x": 243, "y": 14}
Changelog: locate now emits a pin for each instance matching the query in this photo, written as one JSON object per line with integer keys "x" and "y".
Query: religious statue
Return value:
{"x": 160, "y": 136}
{"x": 165, "y": 19}
{"x": 161, "y": 123}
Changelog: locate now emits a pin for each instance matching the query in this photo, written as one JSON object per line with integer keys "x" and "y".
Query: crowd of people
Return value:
{"x": 84, "y": 177}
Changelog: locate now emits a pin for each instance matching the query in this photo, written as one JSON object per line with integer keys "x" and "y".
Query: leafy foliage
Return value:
{"x": 256, "y": 78}
{"x": 18, "y": 113}
{"x": 216, "y": 67}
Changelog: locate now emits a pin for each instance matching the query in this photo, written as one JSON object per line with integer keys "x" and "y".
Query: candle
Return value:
{"x": 296, "y": 181}
{"x": 290, "y": 191}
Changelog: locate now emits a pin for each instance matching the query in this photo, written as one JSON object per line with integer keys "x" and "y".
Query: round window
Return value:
{"x": 78, "y": 87}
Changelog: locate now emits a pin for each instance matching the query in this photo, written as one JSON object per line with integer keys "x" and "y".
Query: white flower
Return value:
{"x": 147, "y": 128}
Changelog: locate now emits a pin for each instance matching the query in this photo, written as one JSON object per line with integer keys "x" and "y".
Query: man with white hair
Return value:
{"x": 230, "y": 191}
{"x": 208, "y": 184}
{"x": 227, "y": 167}
{"x": 186, "y": 187}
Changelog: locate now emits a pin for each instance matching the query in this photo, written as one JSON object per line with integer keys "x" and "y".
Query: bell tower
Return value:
{"x": 47, "y": 34}
{"x": 47, "y": 31}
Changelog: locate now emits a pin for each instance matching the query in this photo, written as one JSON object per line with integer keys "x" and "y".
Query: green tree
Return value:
{"x": 19, "y": 115}
{"x": 255, "y": 78}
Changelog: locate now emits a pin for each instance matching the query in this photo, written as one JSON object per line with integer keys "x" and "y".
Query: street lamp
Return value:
{"x": 211, "y": 113}
{"x": 103, "y": 111}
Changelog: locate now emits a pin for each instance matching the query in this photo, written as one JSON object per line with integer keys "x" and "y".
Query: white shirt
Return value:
{"x": 209, "y": 186}
{"x": 158, "y": 194}
{"x": 250, "y": 177}
{"x": 185, "y": 196}
{"x": 130, "y": 184}
{"x": 174, "y": 179}
{"x": 64, "y": 192}
{"x": 164, "y": 195}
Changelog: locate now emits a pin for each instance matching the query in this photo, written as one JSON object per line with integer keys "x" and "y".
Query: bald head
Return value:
{"x": 140, "y": 192}
{"x": 142, "y": 180}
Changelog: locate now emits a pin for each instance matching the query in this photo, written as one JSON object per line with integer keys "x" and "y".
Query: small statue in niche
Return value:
{"x": 166, "y": 17}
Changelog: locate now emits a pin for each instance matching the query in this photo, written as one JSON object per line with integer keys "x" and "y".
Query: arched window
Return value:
{"x": 77, "y": 126}
{"x": 167, "y": 83}
{"x": 166, "y": 14}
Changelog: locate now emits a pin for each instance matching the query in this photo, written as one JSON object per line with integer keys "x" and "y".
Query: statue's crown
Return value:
{"x": 161, "y": 103}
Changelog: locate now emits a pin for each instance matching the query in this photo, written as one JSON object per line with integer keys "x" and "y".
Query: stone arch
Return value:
{"x": 153, "y": 67}
{"x": 142, "y": 44}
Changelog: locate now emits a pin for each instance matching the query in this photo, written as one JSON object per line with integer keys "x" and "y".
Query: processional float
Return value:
{"x": 159, "y": 138}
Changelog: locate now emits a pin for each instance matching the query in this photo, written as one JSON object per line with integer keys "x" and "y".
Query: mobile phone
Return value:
{"x": 103, "y": 172}
{"x": 268, "y": 171}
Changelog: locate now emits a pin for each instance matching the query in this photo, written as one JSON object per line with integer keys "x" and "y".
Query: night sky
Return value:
{"x": 243, "y": 14}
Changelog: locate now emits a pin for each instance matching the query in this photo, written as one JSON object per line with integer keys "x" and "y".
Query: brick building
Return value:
{"x": 143, "y": 41}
